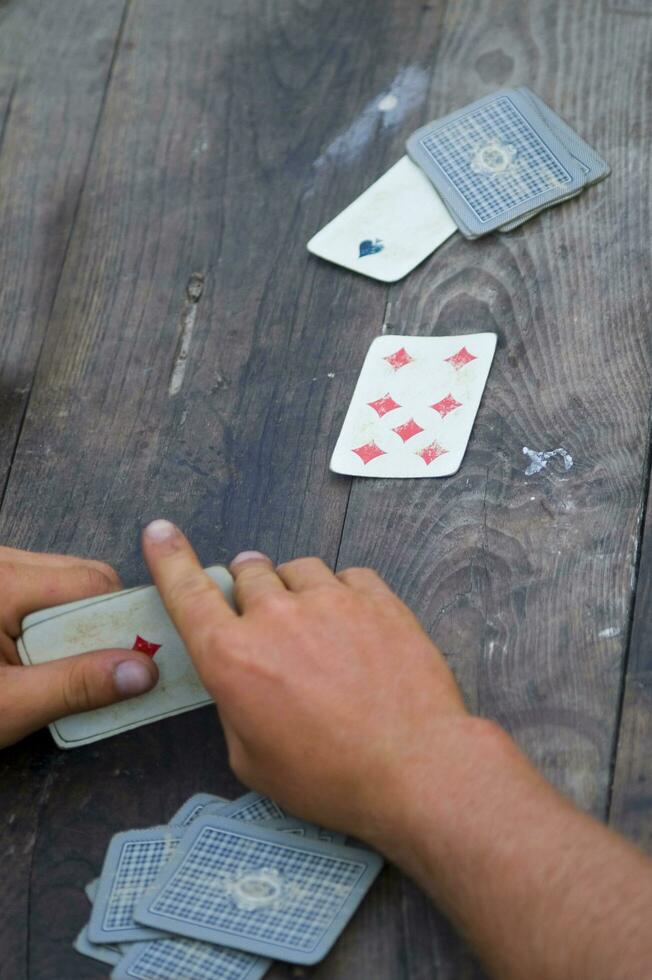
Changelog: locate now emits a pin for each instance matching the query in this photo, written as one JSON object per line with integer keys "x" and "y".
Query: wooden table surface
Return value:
{"x": 163, "y": 160}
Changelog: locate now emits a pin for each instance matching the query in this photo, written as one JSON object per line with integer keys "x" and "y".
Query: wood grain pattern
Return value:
{"x": 54, "y": 65}
{"x": 229, "y": 133}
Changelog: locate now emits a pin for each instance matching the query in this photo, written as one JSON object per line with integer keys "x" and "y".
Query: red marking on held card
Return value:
{"x": 368, "y": 452}
{"x": 446, "y": 405}
{"x": 384, "y": 405}
{"x": 399, "y": 358}
{"x": 408, "y": 429}
{"x": 462, "y": 357}
{"x": 432, "y": 452}
{"x": 144, "y": 646}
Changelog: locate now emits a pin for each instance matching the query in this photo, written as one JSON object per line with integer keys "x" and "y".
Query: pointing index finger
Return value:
{"x": 191, "y": 598}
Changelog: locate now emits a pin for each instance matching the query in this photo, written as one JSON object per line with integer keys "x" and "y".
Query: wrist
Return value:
{"x": 429, "y": 789}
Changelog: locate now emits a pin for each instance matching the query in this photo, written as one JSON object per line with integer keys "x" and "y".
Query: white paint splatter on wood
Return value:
{"x": 405, "y": 93}
{"x": 539, "y": 461}
{"x": 609, "y": 632}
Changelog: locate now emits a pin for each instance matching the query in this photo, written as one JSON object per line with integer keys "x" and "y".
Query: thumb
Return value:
{"x": 36, "y": 696}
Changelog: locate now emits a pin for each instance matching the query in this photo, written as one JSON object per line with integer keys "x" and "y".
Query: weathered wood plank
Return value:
{"x": 227, "y": 140}
{"x": 54, "y": 64}
{"x": 631, "y": 801}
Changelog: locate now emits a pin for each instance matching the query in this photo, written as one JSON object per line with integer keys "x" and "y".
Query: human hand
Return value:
{"x": 327, "y": 686}
{"x": 31, "y": 697}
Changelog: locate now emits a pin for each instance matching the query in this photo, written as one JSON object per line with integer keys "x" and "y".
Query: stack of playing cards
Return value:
{"x": 501, "y": 160}
{"x": 133, "y": 619}
{"x": 490, "y": 166}
{"x": 221, "y": 891}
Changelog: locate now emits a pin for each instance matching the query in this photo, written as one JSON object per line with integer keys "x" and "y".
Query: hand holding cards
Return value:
{"x": 132, "y": 619}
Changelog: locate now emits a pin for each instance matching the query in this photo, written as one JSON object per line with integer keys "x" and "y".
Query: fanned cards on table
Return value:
{"x": 221, "y": 891}
{"x": 414, "y": 406}
{"x": 132, "y": 619}
{"x": 489, "y": 166}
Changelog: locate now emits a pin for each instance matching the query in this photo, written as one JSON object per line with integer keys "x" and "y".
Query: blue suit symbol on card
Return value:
{"x": 369, "y": 247}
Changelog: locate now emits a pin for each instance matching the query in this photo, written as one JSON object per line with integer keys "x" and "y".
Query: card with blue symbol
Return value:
{"x": 397, "y": 223}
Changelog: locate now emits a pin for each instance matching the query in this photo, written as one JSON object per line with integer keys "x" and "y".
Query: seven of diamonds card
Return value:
{"x": 414, "y": 406}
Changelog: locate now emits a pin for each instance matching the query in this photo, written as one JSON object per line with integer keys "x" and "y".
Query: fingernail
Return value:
{"x": 249, "y": 556}
{"x": 131, "y": 678}
{"x": 160, "y": 530}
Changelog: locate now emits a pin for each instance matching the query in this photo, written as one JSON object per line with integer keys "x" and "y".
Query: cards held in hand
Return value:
{"x": 222, "y": 890}
{"x": 133, "y": 619}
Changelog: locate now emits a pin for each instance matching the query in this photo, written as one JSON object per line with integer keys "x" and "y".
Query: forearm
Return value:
{"x": 541, "y": 890}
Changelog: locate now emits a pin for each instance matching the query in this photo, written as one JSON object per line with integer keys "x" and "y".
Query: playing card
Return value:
{"x": 588, "y": 159}
{"x": 236, "y": 883}
{"x": 188, "y": 959}
{"x": 133, "y": 860}
{"x": 91, "y": 889}
{"x": 193, "y": 807}
{"x": 260, "y": 809}
{"x": 592, "y": 165}
{"x": 104, "y": 954}
{"x": 392, "y": 227}
{"x": 252, "y": 806}
{"x": 414, "y": 406}
{"x": 494, "y": 161}
{"x": 133, "y": 619}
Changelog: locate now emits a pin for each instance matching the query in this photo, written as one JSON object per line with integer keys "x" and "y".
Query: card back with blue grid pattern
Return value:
{"x": 250, "y": 807}
{"x": 195, "y": 806}
{"x": 188, "y": 959}
{"x": 494, "y": 161}
{"x": 133, "y": 861}
{"x": 239, "y": 884}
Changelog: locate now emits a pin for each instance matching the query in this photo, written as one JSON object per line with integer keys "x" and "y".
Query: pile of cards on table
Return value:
{"x": 489, "y": 166}
{"x": 221, "y": 891}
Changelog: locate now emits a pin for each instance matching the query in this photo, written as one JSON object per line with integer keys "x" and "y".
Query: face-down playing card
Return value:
{"x": 414, "y": 406}
{"x": 133, "y": 860}
{"x": 392, "y": 227}
{"x": 590, "y": 162}
{"x": 238, "y": 884}
{"x": 188, "y": 959}
{"x": 494, "y": 161}
{"x": 133, "y": 619}
{"x": 194, "y": 807}
{"x": 261, "y": 809}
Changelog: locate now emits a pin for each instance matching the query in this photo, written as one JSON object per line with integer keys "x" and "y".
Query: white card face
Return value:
{"x": 389, "y": 229}
{"x": 414, "y": 406}
{"x": 133, "y": 619}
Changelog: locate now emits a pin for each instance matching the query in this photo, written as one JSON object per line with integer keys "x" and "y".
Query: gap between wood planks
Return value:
{"x": 5, "y": 120}
{"x": 644, "y": 516}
